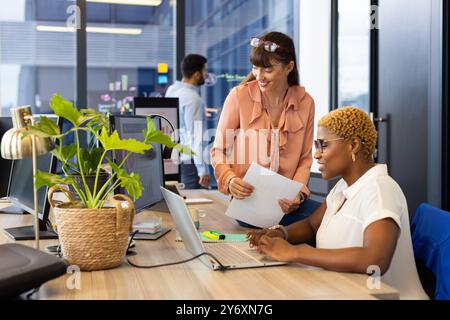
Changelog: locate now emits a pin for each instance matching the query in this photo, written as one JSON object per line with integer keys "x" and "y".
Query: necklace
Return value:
{"x": 274, "y": 121}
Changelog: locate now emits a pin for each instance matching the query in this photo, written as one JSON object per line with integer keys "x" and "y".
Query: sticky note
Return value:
{"x": 163, "y": 68}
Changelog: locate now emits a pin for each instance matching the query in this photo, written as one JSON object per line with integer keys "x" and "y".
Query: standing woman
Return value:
{"x": 268, "y": 119}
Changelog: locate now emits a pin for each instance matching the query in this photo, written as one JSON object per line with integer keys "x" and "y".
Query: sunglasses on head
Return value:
{"x": 269, "y": 46}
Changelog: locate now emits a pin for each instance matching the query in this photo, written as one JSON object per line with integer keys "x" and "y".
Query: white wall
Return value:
{"x": 314, "y": 55}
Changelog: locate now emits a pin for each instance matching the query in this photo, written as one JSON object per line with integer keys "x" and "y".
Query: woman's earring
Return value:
{"x": 353, "y": 157}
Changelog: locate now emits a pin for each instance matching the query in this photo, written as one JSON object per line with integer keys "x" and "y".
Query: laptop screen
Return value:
{"x": 184, "y": 224}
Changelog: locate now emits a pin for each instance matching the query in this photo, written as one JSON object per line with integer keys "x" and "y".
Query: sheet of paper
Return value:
{"x": 261, "y": 209}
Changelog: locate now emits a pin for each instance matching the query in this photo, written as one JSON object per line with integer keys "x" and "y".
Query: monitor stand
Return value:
{"x": 160, "y": 206}
{"x": 12, "y": 209}
{"x": 27, "y": 233}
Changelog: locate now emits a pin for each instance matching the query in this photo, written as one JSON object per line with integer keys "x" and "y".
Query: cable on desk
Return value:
{"x": 29, "y": 295}
{"x": 49, "y": 224}
{"x": 221, "y": 266}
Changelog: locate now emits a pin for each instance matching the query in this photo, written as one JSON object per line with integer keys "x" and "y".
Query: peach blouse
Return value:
{"x": 244, "y": 135}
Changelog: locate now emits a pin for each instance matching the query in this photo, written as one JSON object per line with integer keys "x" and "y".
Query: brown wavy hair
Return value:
{"x": 262, "y": 58}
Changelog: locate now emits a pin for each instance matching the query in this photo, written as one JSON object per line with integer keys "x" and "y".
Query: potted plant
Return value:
{"x": 89, "y": 159}
{"x": 93, "y": 234}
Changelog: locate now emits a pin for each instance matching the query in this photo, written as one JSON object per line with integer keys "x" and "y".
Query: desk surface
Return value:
{"x": 194, "y": 280}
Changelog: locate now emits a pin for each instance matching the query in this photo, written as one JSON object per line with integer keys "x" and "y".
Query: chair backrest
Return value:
{"x": 431, "y": 241}
{"x": 23, "y": 268}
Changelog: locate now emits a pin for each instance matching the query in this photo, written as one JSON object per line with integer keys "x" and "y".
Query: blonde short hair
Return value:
{"x": 351, "y": 122}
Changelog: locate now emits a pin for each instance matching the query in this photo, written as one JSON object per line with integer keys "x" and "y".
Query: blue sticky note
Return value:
{"x": 163, "y": 79}
{"x": 229, "y": 237}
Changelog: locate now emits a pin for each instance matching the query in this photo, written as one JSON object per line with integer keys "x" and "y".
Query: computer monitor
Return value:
{"x": 149, "y": 165}
{"x": 168, "y": 108}
{"x": 5, "y": 171}
{"x": 5, "y": 164}
{"x": 20, "y": 193}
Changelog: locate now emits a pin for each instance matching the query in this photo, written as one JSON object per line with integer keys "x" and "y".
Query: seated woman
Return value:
{"x": 363, "y": 226}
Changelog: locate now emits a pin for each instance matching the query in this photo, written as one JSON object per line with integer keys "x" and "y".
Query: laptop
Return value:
{"x": 235, "y": 255}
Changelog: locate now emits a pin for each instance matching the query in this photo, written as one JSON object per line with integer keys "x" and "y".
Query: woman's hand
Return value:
{"x": 289, "y": 206}
{"x": 275, "y": 248}
{"x": 255, "y": 236}
{"x": 240, "y": 189}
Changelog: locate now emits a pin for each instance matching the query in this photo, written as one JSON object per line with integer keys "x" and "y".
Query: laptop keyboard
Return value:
{"x": 228, "y": 255}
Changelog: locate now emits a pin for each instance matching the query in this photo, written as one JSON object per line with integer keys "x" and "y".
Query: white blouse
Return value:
{"x": 374, "y": 196}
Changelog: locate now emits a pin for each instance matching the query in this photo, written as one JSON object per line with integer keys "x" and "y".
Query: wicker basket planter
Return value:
{"x": 93, "y": 239}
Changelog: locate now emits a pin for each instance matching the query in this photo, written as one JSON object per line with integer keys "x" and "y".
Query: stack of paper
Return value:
{"x": 262, "y": 209}
{"x": 148, "y": 227}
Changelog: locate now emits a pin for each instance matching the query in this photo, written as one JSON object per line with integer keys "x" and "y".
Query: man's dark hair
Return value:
{"x": 191, "y": 64}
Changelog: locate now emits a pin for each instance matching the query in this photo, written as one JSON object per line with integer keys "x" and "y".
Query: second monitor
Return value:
{"x": 149, "y": 165}
{"x": 20, "y": 192}
{"x": 5, "y": 165}
{"x": 168, "y": 108}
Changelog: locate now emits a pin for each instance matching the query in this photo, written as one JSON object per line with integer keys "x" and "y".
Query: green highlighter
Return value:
{"x": 214, "y": 235}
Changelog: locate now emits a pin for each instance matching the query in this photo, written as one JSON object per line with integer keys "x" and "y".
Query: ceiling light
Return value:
{"x": 130, "y": 2}
{"x": 123, "y": 31}
{"x": 129, "y": 31}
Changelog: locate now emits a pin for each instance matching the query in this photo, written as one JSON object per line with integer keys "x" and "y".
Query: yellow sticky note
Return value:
{"x": 163, "y": 68}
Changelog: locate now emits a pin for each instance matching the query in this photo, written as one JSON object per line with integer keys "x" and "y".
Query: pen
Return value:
{"x": 210, "y": 235}
{"x": 214, "y": 235}
{"x": 220, "y": 235}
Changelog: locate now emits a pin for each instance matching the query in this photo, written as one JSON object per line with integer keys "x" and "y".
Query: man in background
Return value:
{"x": 194, "y": 171}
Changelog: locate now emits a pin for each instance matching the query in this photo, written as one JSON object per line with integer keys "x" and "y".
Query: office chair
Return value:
{"x": 431, "y": 242}
{"x": 23, "y": 268}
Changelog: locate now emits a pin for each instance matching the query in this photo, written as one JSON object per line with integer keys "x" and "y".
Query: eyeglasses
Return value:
{"x": 269, "y": 46}
{"x": 319, "y": 143}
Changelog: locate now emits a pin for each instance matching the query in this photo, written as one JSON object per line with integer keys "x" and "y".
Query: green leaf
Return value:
{"x": 113, "y": 142}
{"x": 48, "y": 126}
{"x": 93, "y": 119}
{"x": 45, "y": 128}
{"x": 151, "y": 125}
{"x": 48, "y": 179}
{"x": 184, "y": 149}
{"x": 131, "y": 182}
{"x": 90, "y": 159}
{"x": 65, "y": 153}
{"x": 65, "y": 109}
{"x": 75, "y": 167}
{"x": 158, "y": 137}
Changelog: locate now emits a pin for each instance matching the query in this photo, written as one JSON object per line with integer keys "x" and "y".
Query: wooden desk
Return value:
{"x": 194, "y": 280}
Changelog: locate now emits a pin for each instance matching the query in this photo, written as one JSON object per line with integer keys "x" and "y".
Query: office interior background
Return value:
{"x": 389, "y": 57}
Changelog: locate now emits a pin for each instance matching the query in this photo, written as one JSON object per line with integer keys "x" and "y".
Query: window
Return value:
{"x": 221, "y": 31}
{"x": 354, "y": 55}
{"x": 35, "y": 64}
{"x": 314, "y": 54}
{"x": 125, "y": 45}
